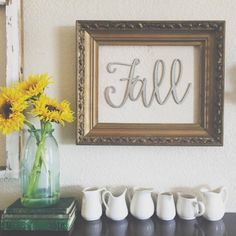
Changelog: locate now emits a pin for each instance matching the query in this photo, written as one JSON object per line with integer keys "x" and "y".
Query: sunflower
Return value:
{"x": 48, "y": 109}
{"x": 34, "y": 85}
{"x": 12, "y": 105}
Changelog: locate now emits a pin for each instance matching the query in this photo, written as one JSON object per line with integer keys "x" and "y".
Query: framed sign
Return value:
{"x": 150, "y": 83}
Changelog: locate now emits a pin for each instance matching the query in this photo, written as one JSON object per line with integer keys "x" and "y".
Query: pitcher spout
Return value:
{"x": 144, "y": 190}
{"x": 220, "y": 190}
{"x": 167, "y": 195}
{"x": 124, "y": 192}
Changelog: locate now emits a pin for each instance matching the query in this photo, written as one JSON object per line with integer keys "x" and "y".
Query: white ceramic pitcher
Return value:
{"x": 141, "y": 205}
{"x": 91, "y": 208}
{"x": 188, "y": 207}
{"x": 166, "y": 206}
{"x": 214, "y": 202}
{"x": 116, "y": 207}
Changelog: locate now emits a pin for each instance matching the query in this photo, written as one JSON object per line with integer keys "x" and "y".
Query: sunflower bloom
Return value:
{"x": 49, "y": 110}
{"x": 12, "y": 105}
{"x": 34, "y": 85}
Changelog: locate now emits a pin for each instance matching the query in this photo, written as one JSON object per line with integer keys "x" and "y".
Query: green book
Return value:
{"x": 59, "y": 217}
{"x": 38, "y": 224}
{"x": 63, "y": 207}
{"x": 40, "y": 216}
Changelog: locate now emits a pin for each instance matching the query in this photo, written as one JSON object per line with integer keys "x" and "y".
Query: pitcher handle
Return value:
{"x": 201, "y": 208}
{"x": 104, "y": 197}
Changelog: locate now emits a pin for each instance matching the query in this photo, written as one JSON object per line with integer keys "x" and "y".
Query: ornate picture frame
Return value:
{"x": 95, "y": 38}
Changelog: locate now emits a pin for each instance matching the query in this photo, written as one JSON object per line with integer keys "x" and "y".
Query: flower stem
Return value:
{"x": 46, "y": 128}
{"x": 31, "y": 126}
{"x": 34, "y": 175}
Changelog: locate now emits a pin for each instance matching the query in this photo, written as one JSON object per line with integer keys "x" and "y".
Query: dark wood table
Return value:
{"x": 151, "y": 227}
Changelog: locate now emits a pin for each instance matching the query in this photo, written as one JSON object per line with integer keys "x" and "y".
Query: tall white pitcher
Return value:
{"x": 142, "y": 205}
{"x": 116, "y": 207}
{"x": 214, "y": 201}
{"x": 166, "y": 206}
{"x": 91, "y": 204}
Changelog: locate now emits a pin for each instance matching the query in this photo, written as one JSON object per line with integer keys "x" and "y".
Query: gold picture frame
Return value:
{"x": 209, "y": 36}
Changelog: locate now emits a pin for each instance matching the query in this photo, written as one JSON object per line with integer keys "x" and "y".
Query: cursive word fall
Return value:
{"x": 131, "y": 81}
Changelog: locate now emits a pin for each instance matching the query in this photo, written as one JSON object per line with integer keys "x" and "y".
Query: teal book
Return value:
{"x": 38, "y": 224}
{"x": 59, "y": 217}
{"x": 63, "y": 207}
{"x": 40, "y": 216}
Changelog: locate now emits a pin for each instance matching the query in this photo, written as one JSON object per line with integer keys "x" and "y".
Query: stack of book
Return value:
{"x": 59, "y": 217}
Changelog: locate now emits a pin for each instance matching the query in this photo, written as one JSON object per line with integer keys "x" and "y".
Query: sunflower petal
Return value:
{"x": 34, "y": 85}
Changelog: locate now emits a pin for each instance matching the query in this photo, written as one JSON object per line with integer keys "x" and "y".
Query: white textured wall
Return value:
{"x": 50, "y": 46}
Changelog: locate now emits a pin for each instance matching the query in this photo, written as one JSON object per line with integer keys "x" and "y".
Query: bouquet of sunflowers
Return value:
{"x": 24, "y": 99}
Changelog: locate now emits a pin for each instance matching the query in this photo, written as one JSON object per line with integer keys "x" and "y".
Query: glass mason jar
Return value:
{"x": 40, "y": 170}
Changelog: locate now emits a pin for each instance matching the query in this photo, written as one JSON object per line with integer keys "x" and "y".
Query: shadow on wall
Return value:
{"x": 192, "y": 191}
{"x": 76, "y": 192}
{"x": 72, "y": 191}
{"x": 231, "y": 95}
{"x": 66, "y": 64}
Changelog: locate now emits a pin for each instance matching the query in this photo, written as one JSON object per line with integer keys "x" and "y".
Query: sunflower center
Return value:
{"x": 5, "y": 110}
{"x": 51, "y": 108}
